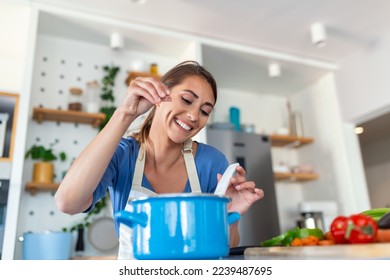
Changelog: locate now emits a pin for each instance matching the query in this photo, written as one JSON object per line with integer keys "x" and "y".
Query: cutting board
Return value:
{"x": 347, "y": 251}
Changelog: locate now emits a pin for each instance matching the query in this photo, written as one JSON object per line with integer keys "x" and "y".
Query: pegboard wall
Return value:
{"x": 59, "y": 65}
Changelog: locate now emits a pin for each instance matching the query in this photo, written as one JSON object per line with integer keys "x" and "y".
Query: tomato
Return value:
{"x": 361, "y": 229}
{"x": 338, "y": 229}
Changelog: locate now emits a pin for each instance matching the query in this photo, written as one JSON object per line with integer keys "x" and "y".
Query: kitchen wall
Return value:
{"x": 363, "y": 82}
{"x": 12, "y": 55}
{"x": 320, "y": 102}
{"x": 266, "y": 112}
{"x": 363, "y": 85}
{"x": 13, "y": 43}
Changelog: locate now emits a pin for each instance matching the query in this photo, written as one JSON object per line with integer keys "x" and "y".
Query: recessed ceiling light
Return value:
{"x": 318, "y": 34}
{"x": 117, "y": 41}
{"x": 274, "y": 70}
{"x": 359, "y": 130}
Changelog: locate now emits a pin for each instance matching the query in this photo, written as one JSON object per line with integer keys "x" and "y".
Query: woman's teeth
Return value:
{"x": 183, "y": 125}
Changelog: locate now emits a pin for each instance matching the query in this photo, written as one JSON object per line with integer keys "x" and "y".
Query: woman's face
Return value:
{"x": 188, "y": 112}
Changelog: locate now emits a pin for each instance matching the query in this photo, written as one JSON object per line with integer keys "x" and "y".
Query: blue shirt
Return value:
{"x": 118, "y": 176}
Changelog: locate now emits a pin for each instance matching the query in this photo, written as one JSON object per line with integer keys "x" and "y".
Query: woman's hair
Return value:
{"x": 172, "y": 78}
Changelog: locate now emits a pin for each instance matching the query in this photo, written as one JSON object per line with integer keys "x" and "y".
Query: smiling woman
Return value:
{"x": 8, "y": 113}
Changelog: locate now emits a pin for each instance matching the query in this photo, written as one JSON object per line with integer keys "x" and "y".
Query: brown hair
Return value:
{"x": 172, "y": 78}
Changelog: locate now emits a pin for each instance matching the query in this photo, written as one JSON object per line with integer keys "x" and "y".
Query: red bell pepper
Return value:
{"x": 362, "y": 229}
{"x": 358, "y": 228}
{"x": 338, "y": 229}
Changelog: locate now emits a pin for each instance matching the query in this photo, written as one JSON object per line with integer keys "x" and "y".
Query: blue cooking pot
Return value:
{"x": 179, "y": 226}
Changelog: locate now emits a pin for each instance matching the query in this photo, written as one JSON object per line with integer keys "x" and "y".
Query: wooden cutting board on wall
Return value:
{"x": 347, "y": 251}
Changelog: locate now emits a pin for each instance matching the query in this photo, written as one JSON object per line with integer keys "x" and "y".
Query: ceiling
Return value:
{"x": 281, "y": 26}
{"x": 272, "y": 30}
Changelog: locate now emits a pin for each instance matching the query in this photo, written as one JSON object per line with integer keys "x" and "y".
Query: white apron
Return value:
{"x": 125, "y": 233}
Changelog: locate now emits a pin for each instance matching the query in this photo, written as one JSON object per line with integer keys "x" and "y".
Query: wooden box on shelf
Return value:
{"x": 44, "y": 114}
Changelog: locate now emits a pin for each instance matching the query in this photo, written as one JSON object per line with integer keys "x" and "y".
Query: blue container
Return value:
{"x": 234, "y": 114}
{"x": 179, "y": 226}
{"x": 49, "y": 245}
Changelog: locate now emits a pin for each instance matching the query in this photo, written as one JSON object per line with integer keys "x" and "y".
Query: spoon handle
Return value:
{"x": 225, "y": 180}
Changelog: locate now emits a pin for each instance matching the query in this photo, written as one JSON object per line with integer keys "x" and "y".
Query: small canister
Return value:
{"x": 92, "y": 97}
{"x": 75, "y": 99}
{"x": 234, "y": 114}
{"x": 154, "y": 69}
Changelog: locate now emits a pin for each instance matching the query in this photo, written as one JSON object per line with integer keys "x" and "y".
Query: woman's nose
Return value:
{"x": 193, "y": 114}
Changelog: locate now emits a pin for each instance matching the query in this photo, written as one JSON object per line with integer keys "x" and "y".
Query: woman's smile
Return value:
{"x": 183, "y": 125}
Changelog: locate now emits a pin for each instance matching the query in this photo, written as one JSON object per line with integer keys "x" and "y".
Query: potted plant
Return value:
{"x": 43, "y": 169}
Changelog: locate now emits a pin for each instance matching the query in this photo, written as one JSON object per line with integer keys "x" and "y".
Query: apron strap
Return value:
{"x": 189, "y": 160}
{"x": 139, "y": 167}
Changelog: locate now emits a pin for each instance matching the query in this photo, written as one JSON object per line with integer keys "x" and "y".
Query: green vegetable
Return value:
{"x": 276, "y": 241}
{"x": 286, "y": 238}
{"x": 290, "y": 235}
{"x": 376, "y": 213}
{"x": 305, "y": 232}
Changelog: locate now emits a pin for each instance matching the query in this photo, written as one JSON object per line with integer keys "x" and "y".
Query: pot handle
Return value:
{"x": 233, "y": 217}
{"x": 131, "y": 219}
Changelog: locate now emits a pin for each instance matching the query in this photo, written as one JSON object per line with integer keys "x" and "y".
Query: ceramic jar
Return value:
{"x": 75, "y": 99}
{"x": 92, "y": 97}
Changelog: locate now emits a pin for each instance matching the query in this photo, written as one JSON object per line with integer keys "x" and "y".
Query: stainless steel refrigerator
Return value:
{"x": 253, "y": 152}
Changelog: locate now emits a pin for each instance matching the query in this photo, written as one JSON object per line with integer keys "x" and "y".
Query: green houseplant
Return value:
{"x": 43, "y": 169}
{"x": 107, "y": 94}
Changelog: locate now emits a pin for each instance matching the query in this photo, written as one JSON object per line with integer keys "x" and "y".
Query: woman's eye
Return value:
{"x": 205, "y": 113}
{"x": 186, "y": 101}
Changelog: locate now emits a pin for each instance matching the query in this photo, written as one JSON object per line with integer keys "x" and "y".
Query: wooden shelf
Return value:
{"x": 33, "y": 187}
{"x": 295, "y": 177}
{"x": 288, "y": 140}
{"x": 132, "y": 75}
{"x": 43, "y": 114}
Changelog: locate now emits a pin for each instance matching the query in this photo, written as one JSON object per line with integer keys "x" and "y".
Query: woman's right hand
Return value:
{"x": 142, "y": 93}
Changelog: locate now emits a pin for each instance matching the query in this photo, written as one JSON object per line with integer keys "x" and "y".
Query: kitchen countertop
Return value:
{"x": 346, "y": 251}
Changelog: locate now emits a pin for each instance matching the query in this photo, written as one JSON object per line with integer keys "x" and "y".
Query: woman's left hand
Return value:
{"x": 243, "y": 193}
